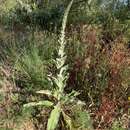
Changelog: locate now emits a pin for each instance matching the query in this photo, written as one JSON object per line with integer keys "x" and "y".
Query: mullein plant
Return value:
{"x": 59, "y": 80}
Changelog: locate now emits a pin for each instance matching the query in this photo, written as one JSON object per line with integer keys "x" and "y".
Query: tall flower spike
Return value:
{"x": 62, "y": 75}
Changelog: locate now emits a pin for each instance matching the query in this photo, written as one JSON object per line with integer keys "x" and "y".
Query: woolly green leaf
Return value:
{"x": 54, "y": 118}
{"x": 40, "y": 103}
{"x": 67, "y": 120}
{"x": 69, "y": 98}
{"x": 89, "y": 2}
{"x": 63, "y": 70}
{"x": 60, "y": 62}
{"x": 57, "y": 82}
{"x": 46, "y": 92}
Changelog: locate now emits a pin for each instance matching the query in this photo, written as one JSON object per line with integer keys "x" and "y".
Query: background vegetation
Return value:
{"x": 72, "y": 65}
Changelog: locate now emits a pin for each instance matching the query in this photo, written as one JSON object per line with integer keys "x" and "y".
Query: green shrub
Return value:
{"x": 31, "y": 70}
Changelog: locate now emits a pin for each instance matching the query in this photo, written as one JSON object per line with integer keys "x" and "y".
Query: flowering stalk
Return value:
{"x": 62, "y": 76}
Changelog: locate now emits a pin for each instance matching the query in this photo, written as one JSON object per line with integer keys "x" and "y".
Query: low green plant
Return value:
{"x": 31, "y": 69}
{"x": 117, "y": 126}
